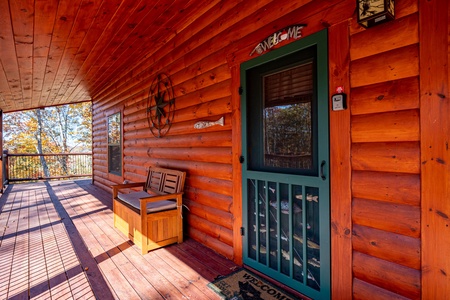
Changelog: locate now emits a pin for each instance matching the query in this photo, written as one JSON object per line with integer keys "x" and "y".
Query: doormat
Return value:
{"x": 245, "y": 285}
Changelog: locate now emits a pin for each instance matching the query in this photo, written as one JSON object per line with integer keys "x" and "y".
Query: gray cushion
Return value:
{"x": 133, "y": 200}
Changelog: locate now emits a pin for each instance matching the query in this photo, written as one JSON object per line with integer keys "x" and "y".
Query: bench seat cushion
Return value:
{"x": 132, "y": 199}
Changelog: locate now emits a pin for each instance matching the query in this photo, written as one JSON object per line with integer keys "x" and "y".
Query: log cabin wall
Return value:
{"x": 375, "y": 145}
{"x": 385, "y": 156}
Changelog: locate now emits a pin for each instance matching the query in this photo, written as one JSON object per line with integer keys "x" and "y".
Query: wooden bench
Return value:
{"x": 161, "y": 201}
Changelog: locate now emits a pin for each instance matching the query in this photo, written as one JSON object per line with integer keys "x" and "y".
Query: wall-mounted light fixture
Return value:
{"x": 373, "y": 12}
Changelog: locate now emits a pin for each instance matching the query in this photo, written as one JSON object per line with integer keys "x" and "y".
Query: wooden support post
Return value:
{"x": 237, "y": 168}
{"x": 340, "y": 168}
{"x": 434, "y": 26}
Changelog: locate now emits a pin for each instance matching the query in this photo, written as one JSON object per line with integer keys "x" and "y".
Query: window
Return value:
{"x": 115, "y": 144}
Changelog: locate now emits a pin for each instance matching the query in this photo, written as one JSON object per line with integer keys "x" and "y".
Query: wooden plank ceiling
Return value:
{"x": 56, "y": 52}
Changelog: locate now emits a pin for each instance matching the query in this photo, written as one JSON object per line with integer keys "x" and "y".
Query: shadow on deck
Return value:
{"x": 57, "y": 240}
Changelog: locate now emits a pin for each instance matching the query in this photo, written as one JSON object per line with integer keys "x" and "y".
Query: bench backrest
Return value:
{"x": 165, "y": 181}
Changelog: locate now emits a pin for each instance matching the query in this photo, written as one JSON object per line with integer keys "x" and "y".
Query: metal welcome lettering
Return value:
{"x": 291, "y": 32}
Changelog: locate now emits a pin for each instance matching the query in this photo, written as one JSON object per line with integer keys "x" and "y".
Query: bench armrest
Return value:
{"x": 117, "y": 187}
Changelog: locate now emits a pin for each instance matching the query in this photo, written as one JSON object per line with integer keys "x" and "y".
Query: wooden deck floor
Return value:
{"x": 57, "y": 241}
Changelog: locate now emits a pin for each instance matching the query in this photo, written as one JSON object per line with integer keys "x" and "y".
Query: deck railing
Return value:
{"x": 31, "y": 167}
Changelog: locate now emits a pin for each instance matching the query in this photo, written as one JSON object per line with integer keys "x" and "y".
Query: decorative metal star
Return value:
{"x": 160, "y": 107}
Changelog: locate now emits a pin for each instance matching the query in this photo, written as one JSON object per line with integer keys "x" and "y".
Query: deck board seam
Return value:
{"x": 41, "y": 252}
{"x": 94, "y": 229}
{"x": 96, "y": 281}
{"x": 105, "y": 218}
{"x": 51, "y": 262}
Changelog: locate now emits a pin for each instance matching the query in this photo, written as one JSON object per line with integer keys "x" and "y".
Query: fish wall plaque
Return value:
{"x": 206, "y": 124}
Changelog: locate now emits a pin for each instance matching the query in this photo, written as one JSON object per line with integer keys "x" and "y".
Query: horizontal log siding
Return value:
{"x": 204, "y": 154}
{"x": 201, "y": 75}
{"x": 201, "y": 51}
{"x": 393, "y": 277}
{"x": 383, "y": 68}
{"x": 362, "y": 289}
{"x": 385, "y": 157}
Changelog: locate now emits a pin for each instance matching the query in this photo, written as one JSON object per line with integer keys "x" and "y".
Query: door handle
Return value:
{"x": 322, "y": 174}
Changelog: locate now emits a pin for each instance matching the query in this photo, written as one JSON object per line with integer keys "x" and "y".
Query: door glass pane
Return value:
{"x": 287, "y": 118}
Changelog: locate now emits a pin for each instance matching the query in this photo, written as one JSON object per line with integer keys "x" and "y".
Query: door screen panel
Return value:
{"x": 276, "y": 210}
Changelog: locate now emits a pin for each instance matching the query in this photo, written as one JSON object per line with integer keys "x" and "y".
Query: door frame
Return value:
{"x": 320, "y": 40}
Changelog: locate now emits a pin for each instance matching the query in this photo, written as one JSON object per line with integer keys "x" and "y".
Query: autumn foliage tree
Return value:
{"x": 53, "y": 130}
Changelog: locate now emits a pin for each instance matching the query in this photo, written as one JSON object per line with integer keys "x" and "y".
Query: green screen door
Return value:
{"x": 285, "y": 165}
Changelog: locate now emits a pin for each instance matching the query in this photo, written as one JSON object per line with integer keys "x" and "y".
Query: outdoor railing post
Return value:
{"x": 5, "y": 168}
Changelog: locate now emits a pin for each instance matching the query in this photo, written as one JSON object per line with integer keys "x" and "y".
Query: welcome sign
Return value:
{"x": 293, "y": 32}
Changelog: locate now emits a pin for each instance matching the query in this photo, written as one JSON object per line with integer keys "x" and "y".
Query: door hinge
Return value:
{"x": 240, "y": 90}
{"x": 242, "y": 231}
